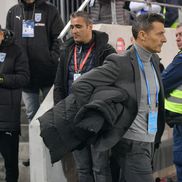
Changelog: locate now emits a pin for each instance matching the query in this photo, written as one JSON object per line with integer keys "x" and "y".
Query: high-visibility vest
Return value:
{"x": 174, "y": 102}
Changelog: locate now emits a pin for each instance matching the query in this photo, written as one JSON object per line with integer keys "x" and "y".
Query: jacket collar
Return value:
{"x": 136, "y": 73}
{"x": 37, "y": 2}
{"x": 155, "y": 60}
{"x": 100, "y": 38}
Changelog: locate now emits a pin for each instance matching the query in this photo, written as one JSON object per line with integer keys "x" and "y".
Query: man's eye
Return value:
{"x": 78, "y": 26}
{"x": 179, "y": 35}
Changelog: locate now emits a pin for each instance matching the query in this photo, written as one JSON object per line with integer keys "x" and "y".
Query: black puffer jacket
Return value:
{"x": 42, "y": 49}
{"x": 15, "y": 75}
{"x": 102, "y": 50}
{"x": 94, "y": 123}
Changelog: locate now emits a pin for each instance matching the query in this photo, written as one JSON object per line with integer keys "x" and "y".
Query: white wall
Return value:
{"x": 4, "y": 7}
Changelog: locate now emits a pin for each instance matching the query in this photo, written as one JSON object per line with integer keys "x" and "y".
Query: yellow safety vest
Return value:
{"x": 174, "y": 102}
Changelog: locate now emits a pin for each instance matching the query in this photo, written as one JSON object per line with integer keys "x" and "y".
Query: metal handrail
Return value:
{"x": 156, "y": 3}
{"x": 86, "y": 2}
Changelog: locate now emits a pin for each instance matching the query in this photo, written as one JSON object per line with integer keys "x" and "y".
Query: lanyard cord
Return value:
{"x": 33, "y": 13}
{"x": 141, "y": 66}
{"x": 84, "y": 60}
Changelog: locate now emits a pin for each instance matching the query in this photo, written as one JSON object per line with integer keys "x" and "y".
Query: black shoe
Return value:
{"x": 26, "y": 163}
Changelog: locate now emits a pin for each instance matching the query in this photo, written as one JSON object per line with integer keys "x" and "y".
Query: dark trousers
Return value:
{"x": 135, "y": 160}
{"x": 177, "y": 150}
{"x": 9, "y": 146}
{"x": 92, "y": 166}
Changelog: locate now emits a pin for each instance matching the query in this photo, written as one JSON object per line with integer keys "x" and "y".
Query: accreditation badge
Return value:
{"x": 2, "y": 57}
{"x": 28, "y": 27}
{"x": 76, "y": 75}
{"x": 152, "y": 122}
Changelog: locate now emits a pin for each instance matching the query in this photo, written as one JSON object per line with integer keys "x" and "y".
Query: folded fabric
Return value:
{"x": 65, "y": 127}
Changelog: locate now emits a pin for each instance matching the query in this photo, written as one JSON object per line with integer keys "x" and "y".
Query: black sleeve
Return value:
{"x": 56, "y": 28}
{"x": 59, "y": 90}
{"x": 20, "y": 77}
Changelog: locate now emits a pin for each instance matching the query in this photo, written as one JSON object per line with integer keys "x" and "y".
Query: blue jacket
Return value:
{"x": 172, "y": 76}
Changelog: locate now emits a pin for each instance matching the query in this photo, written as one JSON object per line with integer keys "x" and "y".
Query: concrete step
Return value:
{"x": 24, "y": 173}
{"x": 23, "y": 150}
{"x": 24, "y": 119}
{"x": 24, "y": 133}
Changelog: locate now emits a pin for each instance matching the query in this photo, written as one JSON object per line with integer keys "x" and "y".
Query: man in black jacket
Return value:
{"x": 137, "y": 72}
{"x": 85, "y": 50}
{"x": 37, "y": 24}
{"x": 14, "y": 74}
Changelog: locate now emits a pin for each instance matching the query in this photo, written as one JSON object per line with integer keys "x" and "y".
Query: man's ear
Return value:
{"x": 142, "y": 35}
{"x": 90, "y": 26}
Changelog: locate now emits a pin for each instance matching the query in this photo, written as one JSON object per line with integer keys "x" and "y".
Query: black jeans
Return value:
{"x": 9, "y": 147}
{"x": 92, "y": 166}
{"x": 135, "y": 160}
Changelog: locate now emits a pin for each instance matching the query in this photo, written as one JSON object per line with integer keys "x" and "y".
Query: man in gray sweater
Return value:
{"x": 138, "y": 131}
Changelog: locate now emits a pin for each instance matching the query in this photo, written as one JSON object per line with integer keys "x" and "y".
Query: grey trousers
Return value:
{"x": 92, "y": 166}
{"x": 135, "y": 160}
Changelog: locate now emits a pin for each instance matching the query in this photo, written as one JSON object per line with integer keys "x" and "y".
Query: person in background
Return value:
{"x": 36, "y": 25}
{"x": 85, "y": 50}
{"x": 143, "y": 120}
{"x": 172, "y": 80}
{"x": 171, "y": 13}
{"x": 14, "y": 74}
{"x": 140, "y": 8}
{"x": 110, "y": 12}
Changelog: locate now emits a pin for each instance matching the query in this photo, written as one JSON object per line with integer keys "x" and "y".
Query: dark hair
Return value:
{"x": 82, "y": 14}
{"x": 144, "y": 22}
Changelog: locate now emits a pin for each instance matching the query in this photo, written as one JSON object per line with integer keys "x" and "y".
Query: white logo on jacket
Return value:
{"x": 18, "y": 17}
{"x": 38, "y": 17}
{"x": 2, "y": 56}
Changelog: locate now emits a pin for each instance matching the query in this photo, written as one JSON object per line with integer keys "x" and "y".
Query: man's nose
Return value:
{"x": 164, "y": 39}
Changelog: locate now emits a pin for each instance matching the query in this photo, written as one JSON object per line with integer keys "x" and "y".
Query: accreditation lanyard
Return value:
{"x": 82, "y": 63}
{"x": 141, "y": 66}
{"x": 28, "y": 26}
